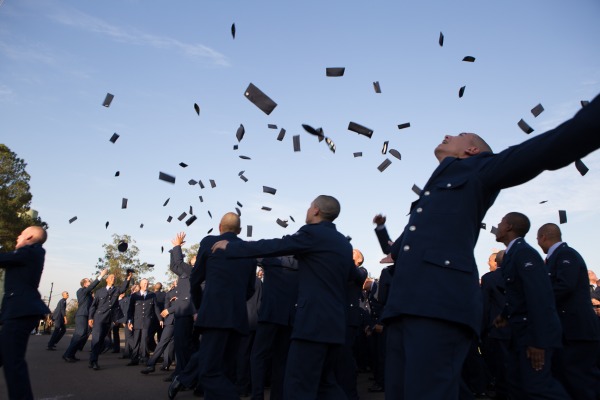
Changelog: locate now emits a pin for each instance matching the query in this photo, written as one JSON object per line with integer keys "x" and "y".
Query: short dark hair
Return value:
{"x": 519, "y": 222}
{"x": 329, "y": 207}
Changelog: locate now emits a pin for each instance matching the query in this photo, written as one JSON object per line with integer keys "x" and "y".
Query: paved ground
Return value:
{"x": 54, "y": 379}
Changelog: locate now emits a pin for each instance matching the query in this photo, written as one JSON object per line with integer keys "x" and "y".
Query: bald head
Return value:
{"x": 329, "y": 207}
{"x": 548, "y": 235}
{"x": 230, "y": 223}
{"x": 31, "y": 235}
{"x": 358, "y": 257}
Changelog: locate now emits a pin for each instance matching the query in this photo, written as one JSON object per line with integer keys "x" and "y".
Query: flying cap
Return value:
{"x": 525, "y": 127}
{"x": 233, "y": 31}
{"x": 272, "y": 126}
{"x": 537, "y": 110}
{"x": 377, "y": 87}
{"x": 166, "y": 177}
{"x": 169, "y": 219}
{"x": 404, "y": 125}
{"x": 191, "y": 220}
{"x": 395, "y": 153}
{"x": 72, "y": 220}
{"x": 581, "y": 167}
{"x": 259, "y": 99}
{"x": 183, "y": 165}
{"x": 249, "y": 230}
{"x": 461, "y": 91}
{"x": 197, "y": 108}
{"x": 166, "y": 202}
{"x": 114, "y": 137}
{"x": 213, "y": 184}
{"x": 122, "y": 246}
{"x": 124, "y": 203}
{"x": 358, "y": 154}
{"x": 562, "y": 216}
{"x": 330, "y": 144}
{"x": 296, "y": 140}
{"x": 281, "y": 134}
{"x": 240, "y": 133}
{"x": 417, "y": 190}
{"x": 469, "y": 59}
{"x": 385, "y": 147}
{"x": 386, "y": 163}
{"x": 182, "y": 216}
{"x": 269, "y": 190}
{"x": 362, "y": 130}
{"x": 108, "y": 99}
{"x": 335, "y": 71}
{"x": 282, "y": 223}
{"x": 441, "y": 39}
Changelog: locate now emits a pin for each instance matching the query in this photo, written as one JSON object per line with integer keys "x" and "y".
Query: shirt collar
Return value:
{"x": 552, "y": 248}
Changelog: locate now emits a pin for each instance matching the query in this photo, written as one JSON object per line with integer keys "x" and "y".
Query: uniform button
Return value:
{"x": 447, "y": 262}
{"x": 406, "y": 248}
{"x": 295, "y": 305}
{"x": 448, "y": 185}
{"x": 426, "y": 193}
{"x": 412, "y": 228}
{"x": 419, "y": 210}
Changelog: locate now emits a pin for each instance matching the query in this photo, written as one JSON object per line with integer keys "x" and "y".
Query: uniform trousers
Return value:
{"x": 58, "y": 333}
{"x": 526, "y": 383}
{"x": 575, "y": 367}
{"x": 80, "y": 336}
{"x": 99, "y": 332}
{"x": 14, "y": 335}
{"x": 272, "y": 342}
{"x": 163, "y": 346}
{"x": 421, "y": 351}
{"x": 310, "y": 371}
{"x": 184, "y": 326}
{"x": 346, "y": 369}
{"x": 140, "y": 344}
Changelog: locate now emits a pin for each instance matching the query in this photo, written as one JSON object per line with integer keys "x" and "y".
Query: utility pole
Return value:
{"x": 50, "y": 297}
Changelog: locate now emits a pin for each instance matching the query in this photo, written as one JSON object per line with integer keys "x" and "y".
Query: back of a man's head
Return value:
{"x": 551, "y": 231}
{"x": 230, "y": 223}
{"x": 329, "y": 207}
{"x": 519, "y": 222}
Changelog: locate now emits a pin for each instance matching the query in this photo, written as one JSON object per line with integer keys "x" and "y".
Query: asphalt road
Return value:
{"x": 54, "y": 379}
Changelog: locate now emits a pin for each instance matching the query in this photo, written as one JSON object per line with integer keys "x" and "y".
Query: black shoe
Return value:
{"x": 94, "y": 365}
{"x": 69, "y": 359}
{"x": 147, "y": 370}
{"x": 376, "y": 389}
{"x": 75, "y": 358}
{"x": 164, "y": 368}
{"x": 133, "y": 362}
{"x": 51, "y": 348}
{"x": 174, "y": 387}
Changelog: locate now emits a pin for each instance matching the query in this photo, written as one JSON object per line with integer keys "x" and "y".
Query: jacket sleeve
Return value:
{"x": 568, "y": 266}
{"x": 297, "y": 243}
{"x": 177, "y": 265}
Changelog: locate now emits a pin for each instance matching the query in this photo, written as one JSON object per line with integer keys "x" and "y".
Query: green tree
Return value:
{"x": 15, "y": 201}
{"x": 118, "y": 262}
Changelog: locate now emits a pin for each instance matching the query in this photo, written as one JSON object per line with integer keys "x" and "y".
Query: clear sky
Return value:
{"x": 58, "y": 59}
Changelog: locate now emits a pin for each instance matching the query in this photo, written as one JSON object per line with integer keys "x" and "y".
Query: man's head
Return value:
{"x": 499, "y": 258}
{"x": 143, "y": 285}
{"x": 65, "y": 295}
{"x": 157, "y": 287}
{"x": 110, "y": 280}
{"x": 230, "y": 223}
{"x": 512, "y": 226}
{"x": 547, "y": 235}
{"x": 323, "y": 208}
{"x": 193, "y": 261}
{"x": 135, "y": 288}
{"x": 492, "y": 262}
{"x": 593, "y": 277}
{"x": 85, "y": 282}
{"x": 368, "y": 284}
{"x": 31, "y": 235}
{"x": 358, "y": 257}
{"x": 463, "y": 145}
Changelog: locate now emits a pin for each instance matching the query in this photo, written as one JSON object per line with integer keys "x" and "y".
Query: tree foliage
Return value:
{"x": 118, "y": 262}
{"x": 15, "y": 199}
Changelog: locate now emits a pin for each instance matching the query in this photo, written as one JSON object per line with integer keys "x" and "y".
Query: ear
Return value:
{"x": 473, "y": 150}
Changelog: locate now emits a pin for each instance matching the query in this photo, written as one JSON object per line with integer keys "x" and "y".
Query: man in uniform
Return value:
{"x": 59, "y": 316}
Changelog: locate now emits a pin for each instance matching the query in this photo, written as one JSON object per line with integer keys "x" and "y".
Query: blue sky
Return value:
{"x": 59, "y": 59}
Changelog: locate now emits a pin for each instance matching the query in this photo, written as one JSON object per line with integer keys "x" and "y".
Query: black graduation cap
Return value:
{"x": 395, "y": 153}
{"x": 201, "y": 199}
{"x": 358, "y": 154}
{"x": 377, "y": 87}
{"x": 493, "y": 230}
{"x": 114, "y": 137}
{"x": 249, "y": 230}
{"x": 213, "y": 184}
{"x": 282, "y": 223}
{"x": 197, "y": 108}
{"x": 191, "y": 210}
{"x": 166, "y": 177}
{"x": 117, "y": 173}
{"x": 292, "y": 218}
{"x": 183, "y": 165}
{"x": 191, "y": 220}
{"x": 239, "y": 213}
{"x": 239, "y": 204}
{"x": 162, "y": 249}
{"x": 233, "y": 31}
{"x": 182, "y": 216}
{"x": 240, "y": 133}
{"x": 317, "y": 132}
{"x": 441, "y": 39}
{"x": 543, "y": 201}
{"x": 330, "y": 144}
{"x": 296, "y": 140}
{"x": 281, "y": 134}
{"x": 385, "y": 147}
{"x": 169, "y": 219}
{"x": 584, "y": 103}
{"x": 272, "y": 126}
{"x": 106, "y": 225}
{"x": 245, "y": 158}
{"x": 72, "y": 220}
{"x": 266, "y": 208}
{"x": 124, "y": 203}
{"x": 209, "y": 231}
{"x": 269, "y": 190}
{"x": 235, "y": 146}
{"x": 461, "y": 91}
{"x": 581, "y": 167}
{"x": 404, "y": 125}
{"x": 417, "y": 190}
{"x": 335, "y": 71}
{"x": 241, "y": 172}
{"x": 483, "y": 225}
{"x": 562, "y": 216}
{"x": 525, "y": 127}
{"x": 192, "y": 182}
{"x": 166, "y": 202}
{"x": 122, "y": 246}
{"x": 201, "y": 184}
{"x": 141, "y": 226}
{"x": 108, "y": 99}
{"x": 362, "y": 130}
{"x": 209, "y": 214}
{"x": 242, "y": 177}
{"x": 386, "y": 163}
{"x": 259, "y": 99}
{"x": 469, "y": 59}
{"x": 537, "y": 110}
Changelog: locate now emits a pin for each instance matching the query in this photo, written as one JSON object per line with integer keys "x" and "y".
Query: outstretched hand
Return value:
{"x": 179, "y": 239}
{"x": 379, "y": 219}
{"x": 220, "y": 245}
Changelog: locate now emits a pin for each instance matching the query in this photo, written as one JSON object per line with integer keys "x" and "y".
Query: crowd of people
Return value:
{"x": 427, "y": 318}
